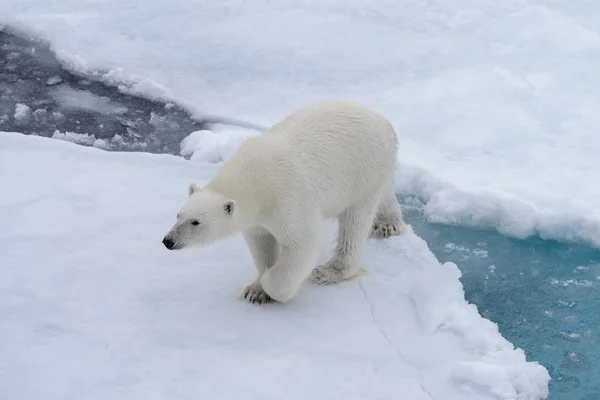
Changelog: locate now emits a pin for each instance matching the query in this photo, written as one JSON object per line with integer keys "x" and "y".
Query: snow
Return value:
{"x": 93, "y": 306}
{"x": 22, "y": 113}
{"x": 81, "y": 138}
{"x": 54, "y": 80}
{"x": 213, "y": 145}
{"x": 71, "y": 98}
{"x": 495, "y": 102}
{"x": 509, "y": 214}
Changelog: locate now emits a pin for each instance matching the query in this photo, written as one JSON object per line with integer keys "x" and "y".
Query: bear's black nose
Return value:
{"x": 169, "y": 243}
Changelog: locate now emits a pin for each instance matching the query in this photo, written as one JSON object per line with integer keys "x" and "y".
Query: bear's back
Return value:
{"x": 328, "y": 152}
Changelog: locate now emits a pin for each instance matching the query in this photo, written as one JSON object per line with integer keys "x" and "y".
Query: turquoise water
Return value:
{"x": 542, "y": 294}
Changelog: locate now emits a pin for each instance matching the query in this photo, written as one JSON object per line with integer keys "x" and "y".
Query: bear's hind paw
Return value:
{"x": 334, "y": 271}
{"x": 386, "y": 229}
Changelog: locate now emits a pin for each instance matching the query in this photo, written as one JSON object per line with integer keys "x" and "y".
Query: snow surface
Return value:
{"x": 93, "y": 306}
{"x": 495, "y": 101}
{"x": 81, "y": 138}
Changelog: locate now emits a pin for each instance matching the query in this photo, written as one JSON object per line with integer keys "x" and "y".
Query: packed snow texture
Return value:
{"x": 495, "y": 101}
{"x": 94, "y": 307}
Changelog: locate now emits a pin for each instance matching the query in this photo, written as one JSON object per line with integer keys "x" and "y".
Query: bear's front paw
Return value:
{"x": 254, "y": 293}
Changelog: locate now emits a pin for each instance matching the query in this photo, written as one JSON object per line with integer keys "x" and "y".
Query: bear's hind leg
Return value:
{"x": 388, "y": 220}
{"x": 264, "y": 250}
{"x": 354, "y": 226}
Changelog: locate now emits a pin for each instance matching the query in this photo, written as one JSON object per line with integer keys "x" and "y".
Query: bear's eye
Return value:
{"x": 195, "y": 222}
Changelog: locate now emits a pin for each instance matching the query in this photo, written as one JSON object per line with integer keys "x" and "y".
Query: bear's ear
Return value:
{"x": 192, "y": 188}
{"x": 229, "y": 207}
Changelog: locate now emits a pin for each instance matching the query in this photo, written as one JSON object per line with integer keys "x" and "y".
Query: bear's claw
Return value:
{"x": 254, "y": 293}
{"x": 386, "y": 229}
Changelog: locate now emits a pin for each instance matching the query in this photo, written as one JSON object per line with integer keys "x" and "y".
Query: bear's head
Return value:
{"x": 206, "y": 217}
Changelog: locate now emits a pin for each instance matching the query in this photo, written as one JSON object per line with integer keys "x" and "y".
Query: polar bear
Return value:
{"x": 330, "y": 159}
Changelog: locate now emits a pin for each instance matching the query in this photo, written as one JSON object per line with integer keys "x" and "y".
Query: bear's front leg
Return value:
{"x": 298, "y": 258}
{"x": 264, "y": 250}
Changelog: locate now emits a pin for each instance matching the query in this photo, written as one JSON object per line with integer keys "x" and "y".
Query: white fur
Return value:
{"x": 331, "y": 159}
